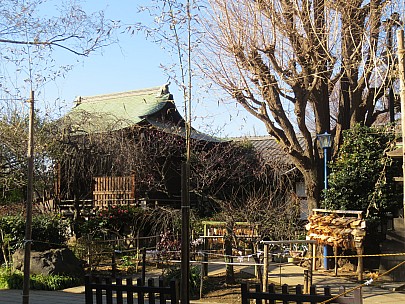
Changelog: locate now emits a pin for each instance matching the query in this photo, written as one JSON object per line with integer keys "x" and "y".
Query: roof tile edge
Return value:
{"x": 155, "y": 91}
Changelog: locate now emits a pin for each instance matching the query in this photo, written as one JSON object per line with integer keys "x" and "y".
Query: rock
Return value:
{"x": 348, "y": 267}
{"x": 54, "y": 261}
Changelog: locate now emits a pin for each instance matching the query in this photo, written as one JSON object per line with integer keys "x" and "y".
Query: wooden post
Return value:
{"x": 88, "y": 247}
{"x": 244, "y": 293}
{"x": 114, "y": 264}
{"x": 206, "y": 247}
{"x": 265, "y": 280}
{"x": 30, "y": 188}
{"x": 185, "y": 234}
{"x": 401, "y": 75}
{"x": 306, "y": 281}
{"x": 313, "y": 254}
{"x": 360, "y": 263}
{"x": 88, "y": 291}
{"x": 143, "y": 265}
{"x": 201, "y": 276}
{"x": 257, "y": 271}
{"x": 335, "y": 253}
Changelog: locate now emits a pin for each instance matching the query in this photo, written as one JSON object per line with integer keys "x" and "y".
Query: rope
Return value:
{"x": 368, "y": 282}
{"x": 357, "y": 255}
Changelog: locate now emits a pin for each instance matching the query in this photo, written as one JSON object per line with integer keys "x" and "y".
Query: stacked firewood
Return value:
{"x": 337, "y": 231}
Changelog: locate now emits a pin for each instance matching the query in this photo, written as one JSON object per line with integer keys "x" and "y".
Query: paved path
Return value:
{"x": 12, "y": 296}
{"x": 290, "y": 274}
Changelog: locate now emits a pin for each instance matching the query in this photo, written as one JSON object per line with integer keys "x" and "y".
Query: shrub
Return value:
{"x": 361, "y": 176}
{"x": 48, "y": 231}
{"x": 115, "y": 220}
{"x": 195, "y": 277}
{"x": 14, "y": 280}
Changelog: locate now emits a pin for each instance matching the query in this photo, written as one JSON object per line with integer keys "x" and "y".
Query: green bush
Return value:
{"x": 48, "y": 231}
{"x": 14, "y": 280}
{"x": 361, "y": 176}
{"x": 115, "y": 220}
{"x": 195, "y": 277}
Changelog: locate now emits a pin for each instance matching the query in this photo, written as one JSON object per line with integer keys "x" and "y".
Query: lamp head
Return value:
{"x": 324, "y": 140}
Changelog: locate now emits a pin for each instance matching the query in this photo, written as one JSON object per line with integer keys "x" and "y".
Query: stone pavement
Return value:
{"x": 291, "y": 274}
{"x": 12, "y": 296}
{"x": 285, "y": 273}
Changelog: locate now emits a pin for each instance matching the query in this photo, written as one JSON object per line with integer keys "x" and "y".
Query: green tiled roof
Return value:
{"x": 111, "y": 112}
{"x": 116, "y": 111}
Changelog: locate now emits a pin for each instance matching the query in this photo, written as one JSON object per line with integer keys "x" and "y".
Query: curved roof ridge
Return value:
{"x": 110, "y": 96}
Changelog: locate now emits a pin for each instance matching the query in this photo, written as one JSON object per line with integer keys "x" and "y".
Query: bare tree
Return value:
{"x": 31, "y": 34}
{"x": 284, "y": 59}
{"x": 152, "y": 156}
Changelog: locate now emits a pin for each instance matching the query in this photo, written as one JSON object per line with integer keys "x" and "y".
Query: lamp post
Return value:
{"x": 390, "y": 23}
{"x": 325, "y": 143}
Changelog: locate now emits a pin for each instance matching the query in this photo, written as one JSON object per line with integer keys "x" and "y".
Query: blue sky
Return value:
{"x": 133, "y": 64}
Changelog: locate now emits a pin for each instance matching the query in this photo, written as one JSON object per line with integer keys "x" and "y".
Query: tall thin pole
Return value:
{"x": 325, "y": 182}
{"x": 391, "y": 98}
{"x": 28, "y": 224}
{"x": 401, "y": 66}
{"x": 325, "y": 167}
{"x": 185, "y": 249}
{"x": 185, "y": 204}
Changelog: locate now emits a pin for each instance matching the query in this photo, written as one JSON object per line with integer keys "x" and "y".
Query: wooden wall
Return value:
{"x": 113, "y": 190}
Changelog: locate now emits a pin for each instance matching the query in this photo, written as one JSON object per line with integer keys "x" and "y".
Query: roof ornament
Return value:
{"x": 78, "y": 100}
{"x": 164, "y": 90}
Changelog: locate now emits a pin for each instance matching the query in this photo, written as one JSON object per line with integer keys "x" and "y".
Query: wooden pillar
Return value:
{"x": 306, "y": 281}
{"x": 313, "y": 256}
{"x": 335, "y": 253}
{"x": 205, "y": 255}
{"x": 265, "y": 280}
{"x": 360, "y": 263}
{"x": 401, "y": 76}
{"x": 256, "y": 266}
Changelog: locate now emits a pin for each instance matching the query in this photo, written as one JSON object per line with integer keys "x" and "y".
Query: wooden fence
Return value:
{"x": 105, "y": 290}
{"x": 108, "y": 254}
{"x": 113, "y": 190}
{"x": 298, "y": 297}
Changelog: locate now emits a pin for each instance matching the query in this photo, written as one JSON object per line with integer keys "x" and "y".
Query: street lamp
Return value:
{"x": 325, "y": 143}
{"x": 390, "y": 23}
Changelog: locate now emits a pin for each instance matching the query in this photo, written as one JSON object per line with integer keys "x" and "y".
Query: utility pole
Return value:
{"x": 28, "y": 223}
{"x": 401, "y": 75}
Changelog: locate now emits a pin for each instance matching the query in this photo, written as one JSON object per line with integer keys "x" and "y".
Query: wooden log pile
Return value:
{"x": 336, "y": 230}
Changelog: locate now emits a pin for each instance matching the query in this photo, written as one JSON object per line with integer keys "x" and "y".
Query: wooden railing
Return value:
{"x": 99, "y": 291}
{"x": 298, "y": 297}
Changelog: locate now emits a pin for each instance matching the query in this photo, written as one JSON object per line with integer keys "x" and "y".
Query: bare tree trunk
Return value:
{"x": 312, "y": 188}
{"x": 230, "y": 274}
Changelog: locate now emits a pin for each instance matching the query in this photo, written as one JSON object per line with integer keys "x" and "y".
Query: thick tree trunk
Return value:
{"x": 312, "y": 188}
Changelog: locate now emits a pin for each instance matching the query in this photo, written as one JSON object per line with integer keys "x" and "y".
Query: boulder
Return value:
{"x": 54, "y": 261}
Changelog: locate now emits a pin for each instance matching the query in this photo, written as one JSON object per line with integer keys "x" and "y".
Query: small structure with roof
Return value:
{"x": 141, "y": 116}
